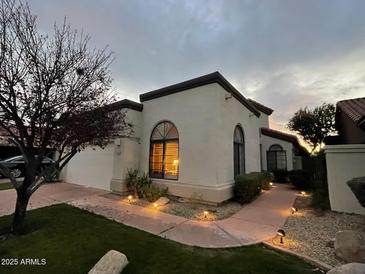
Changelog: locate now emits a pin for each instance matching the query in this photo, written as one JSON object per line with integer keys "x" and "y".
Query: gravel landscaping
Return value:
{"x": 189, "y": 210}
{"x": 311, "y": 232}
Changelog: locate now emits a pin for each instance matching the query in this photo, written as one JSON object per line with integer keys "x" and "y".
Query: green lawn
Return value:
{"x": 72, "y": 241}
{"x": 4, "y": 186}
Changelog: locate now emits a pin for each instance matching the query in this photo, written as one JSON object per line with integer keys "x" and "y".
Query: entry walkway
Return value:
{"x": 254, "y": 223}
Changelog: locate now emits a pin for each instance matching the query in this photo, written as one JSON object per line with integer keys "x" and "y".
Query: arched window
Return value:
{"x": 238, "y": 151}
{"x": 276, "y": 158}
{"x": 164, "y": 151}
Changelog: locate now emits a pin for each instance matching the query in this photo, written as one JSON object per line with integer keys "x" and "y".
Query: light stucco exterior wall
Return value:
{"x": 106, "y": 168}
{"x": 267, "y": 142}
{"x": 205, "y": 121}
{"x": 126, "y": 151}
{"x": 263, "y": 120}
{"x": 344, "y": 162}
{"x": 91, "y": 167}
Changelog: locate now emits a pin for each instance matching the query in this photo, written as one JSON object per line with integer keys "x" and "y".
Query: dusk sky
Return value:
{"x": 285, "y": 54}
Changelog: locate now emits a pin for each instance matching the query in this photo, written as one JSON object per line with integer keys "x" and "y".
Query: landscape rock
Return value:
{"x": 113, "y": 262}
{"x": 350, "y": 246}
{"x": 162, "y": 201}
{"x": 352, "y": 268}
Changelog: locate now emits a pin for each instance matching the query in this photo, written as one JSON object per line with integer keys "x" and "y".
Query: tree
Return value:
{"x": 314, "y": 125}
{"x": 54, "y": 95}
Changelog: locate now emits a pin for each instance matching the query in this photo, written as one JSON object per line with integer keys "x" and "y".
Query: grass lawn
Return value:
{"x": 73, "y": 240}
{"x": 4, "y": 186}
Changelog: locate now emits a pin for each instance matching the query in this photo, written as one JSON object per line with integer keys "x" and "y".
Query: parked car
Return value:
{"x": 17, "y": 164}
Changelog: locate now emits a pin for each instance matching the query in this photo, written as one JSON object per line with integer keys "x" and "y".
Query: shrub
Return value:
{"x": 301, "y": 179}
{"x": 132, "y": 180}
{"x": 320, "y": 197}
{"x": 152, "y": 193}
{"x": 266, "y": 178}
{"x": 247, "y": 187}
{"x": 280, "y": 176}
{"x": 142, "y": 186}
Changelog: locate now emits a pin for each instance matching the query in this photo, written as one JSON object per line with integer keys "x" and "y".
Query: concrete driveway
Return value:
{"x": 48, "y": 194}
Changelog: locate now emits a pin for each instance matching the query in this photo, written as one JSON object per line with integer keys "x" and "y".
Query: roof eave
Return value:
{"x": 214, "y": 77}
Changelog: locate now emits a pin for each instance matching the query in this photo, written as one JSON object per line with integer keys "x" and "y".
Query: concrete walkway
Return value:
{"x": 255, "y": 223}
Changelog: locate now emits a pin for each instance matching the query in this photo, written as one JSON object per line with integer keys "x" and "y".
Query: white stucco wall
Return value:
{"x": 127, "y": 151}
{"x": 106, "y": 168}
{"x": 233, "y": 113}
{"x": 91, "y": 167}
{"x": 344, "y": 162}
{"x": 205, "y": 122}
{"x": 263, "y": 120}
{"x": 267, "y": 142}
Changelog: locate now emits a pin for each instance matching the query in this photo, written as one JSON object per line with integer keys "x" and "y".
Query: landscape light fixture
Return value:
{"x": 281, "y": 233}
{"x": 303, "y": 193}
{"x": 271, "y": 184}
{"x": 155, "y": 205}
{"x": 205, "y": 214}
{"x": 293, "y": 210}
{"x": 130, "y": 197}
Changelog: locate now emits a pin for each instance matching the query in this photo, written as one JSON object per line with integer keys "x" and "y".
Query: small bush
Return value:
{"x": 142, "y": 186}
{"x": 132, "y": 180}
{"x": 301, "y": 179}
{"x": 280, "y": 176}
{"x": 320, "y": 197}
{"x": 247, "y": 187}
{"x": 152, "y": 193}
{"x": 266, "y": 178}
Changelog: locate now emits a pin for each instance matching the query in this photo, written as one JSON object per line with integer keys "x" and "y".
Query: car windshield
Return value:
{"x": 16, "y": 158}
{"x": 20, "y": 158}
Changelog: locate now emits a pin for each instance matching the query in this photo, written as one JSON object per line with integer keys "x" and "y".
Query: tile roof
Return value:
{"x": 286, "y": 137}
{"x": 261, "y": 107}
{"x": 125, "y": 104}
{"x": 355, "y": 110}
{"x": 279, "y": 134}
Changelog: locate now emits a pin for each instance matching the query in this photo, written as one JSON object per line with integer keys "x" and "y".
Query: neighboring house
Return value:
{"x": 345, "y": 155}
{"x": 193, "y": 137}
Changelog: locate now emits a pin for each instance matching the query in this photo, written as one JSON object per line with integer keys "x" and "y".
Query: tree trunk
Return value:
{"x": 20, "y": 210}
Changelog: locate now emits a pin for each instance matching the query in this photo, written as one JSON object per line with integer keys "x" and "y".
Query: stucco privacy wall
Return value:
{"x": 344, "y": 162}
{"x": 267, "y": 142}
{"x": 205, "y": 143}
{"x": 91, "y": 167}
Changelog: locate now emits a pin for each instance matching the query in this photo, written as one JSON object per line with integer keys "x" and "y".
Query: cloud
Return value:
{"x": 286, "y": 54}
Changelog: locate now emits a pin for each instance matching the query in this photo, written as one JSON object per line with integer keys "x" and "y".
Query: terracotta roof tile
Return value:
{"x": 355, "y": 109}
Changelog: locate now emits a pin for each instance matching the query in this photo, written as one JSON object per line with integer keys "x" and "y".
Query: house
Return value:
{"x": 345, "y": 155}
{"x": 193, "y": 137}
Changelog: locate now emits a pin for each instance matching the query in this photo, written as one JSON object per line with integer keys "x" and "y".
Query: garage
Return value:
{"x": 91, "y": 167}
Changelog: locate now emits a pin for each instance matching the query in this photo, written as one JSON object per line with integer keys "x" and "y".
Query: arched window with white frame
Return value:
{"x": 238, "y": 151}
{"x": 276, "y": 158}
{"x": 164, "y": 151}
